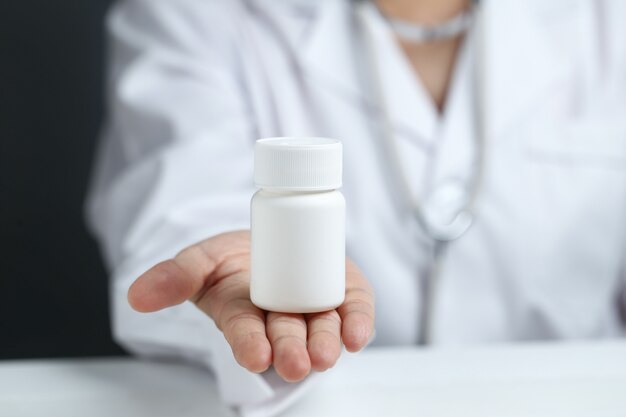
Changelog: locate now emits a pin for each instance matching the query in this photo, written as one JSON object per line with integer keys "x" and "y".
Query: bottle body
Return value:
{"x": 298, "y": 250}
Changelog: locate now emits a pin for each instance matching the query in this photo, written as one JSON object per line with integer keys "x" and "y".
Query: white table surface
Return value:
{"x": 551, "y": 380}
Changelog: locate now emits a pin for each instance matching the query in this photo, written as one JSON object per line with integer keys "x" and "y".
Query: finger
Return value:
{"x": 357, "y": 311}
{"x": 187, "y": 275}
{"x": 242, "y": 323}
{"x": 324, "y": 339}
{"x": 287, "y": 333}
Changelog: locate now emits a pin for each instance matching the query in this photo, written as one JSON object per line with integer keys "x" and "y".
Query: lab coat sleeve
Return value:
{"x": 175, "y": 167}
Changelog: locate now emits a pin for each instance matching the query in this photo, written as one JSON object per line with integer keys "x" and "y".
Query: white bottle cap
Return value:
{"x": 297, "y": 164}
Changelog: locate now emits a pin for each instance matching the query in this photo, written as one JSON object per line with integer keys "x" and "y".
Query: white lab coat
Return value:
{"x": 195, "y": 82}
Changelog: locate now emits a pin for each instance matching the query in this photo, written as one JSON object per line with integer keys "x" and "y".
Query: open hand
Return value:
{"x": 215, "y": 275}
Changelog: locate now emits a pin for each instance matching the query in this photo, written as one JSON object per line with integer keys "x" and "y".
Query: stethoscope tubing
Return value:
{"x": 442, "y": 234}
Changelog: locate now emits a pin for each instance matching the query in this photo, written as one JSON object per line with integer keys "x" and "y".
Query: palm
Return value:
{"x": 214, "y": 274}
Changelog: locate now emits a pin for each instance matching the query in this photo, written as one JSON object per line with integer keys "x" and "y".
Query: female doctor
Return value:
{"x": 484, "y": 173}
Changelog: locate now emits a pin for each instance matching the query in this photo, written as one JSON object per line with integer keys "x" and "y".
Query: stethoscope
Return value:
{"x": 441, "y": 229}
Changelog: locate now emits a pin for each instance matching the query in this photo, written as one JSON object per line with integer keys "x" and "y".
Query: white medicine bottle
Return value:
{"x": 297, "y": 226}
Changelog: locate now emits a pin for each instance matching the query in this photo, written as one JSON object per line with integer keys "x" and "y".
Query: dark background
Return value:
{"x": 53, "y": 287}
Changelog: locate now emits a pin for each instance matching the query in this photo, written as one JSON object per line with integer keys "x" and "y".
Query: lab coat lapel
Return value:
{"x": 335, "y": 59}
{"x": 319, "y": 36}
{"x": 410, "y": 109}
{"x": 516, "y": 66}
{"x": 328, "y": 55}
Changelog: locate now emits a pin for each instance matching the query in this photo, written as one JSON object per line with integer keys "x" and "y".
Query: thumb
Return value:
{"x": 187, "y": 275}
{"x": 164, "y": 285}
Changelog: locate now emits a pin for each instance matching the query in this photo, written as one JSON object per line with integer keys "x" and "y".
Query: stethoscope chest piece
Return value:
{"x": 444, "y": 213}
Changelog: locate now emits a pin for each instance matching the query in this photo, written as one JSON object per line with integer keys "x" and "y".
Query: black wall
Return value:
{"x": 53, "y": 288}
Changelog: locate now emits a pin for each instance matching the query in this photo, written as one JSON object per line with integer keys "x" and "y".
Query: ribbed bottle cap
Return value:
{"x": 297, "y": 163}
